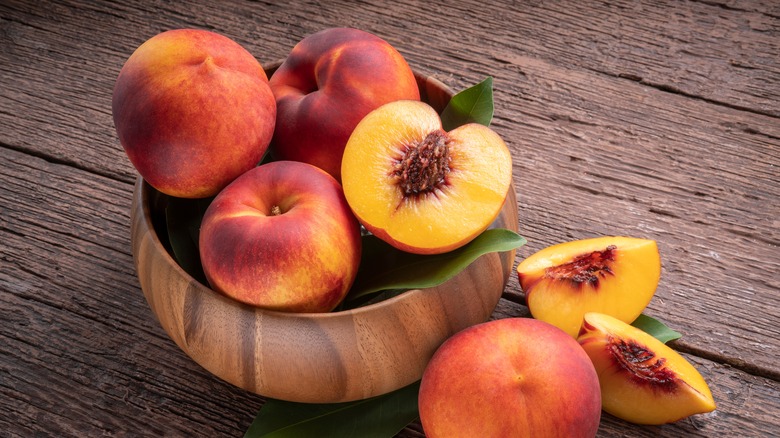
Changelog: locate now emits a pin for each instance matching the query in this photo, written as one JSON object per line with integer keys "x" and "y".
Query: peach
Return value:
{"x": 613, "y": 275}
{"x": 514, "y": 377}
{"x": 328, "y": 83}
{"x": 419, "y": 188}
{"x": 281, "y": 236}
{"x": 642, "y": 380}
{"x": 193, "y": 110}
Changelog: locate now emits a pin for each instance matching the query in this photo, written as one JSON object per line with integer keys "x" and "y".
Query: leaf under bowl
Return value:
{"x": 382, "y": 416}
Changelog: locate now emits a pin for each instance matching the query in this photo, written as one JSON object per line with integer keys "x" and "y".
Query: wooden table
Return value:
{"x": 643, "y": 118}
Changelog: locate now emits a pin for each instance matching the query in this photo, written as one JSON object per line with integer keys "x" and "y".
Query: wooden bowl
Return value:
{"x": 316, "y": 358}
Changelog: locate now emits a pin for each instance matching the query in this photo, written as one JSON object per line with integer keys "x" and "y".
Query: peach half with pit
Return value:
{"x": 511, "y": 377}
{"x": 642, "y": 379}
{"x": 420, "y": 188}
{"x": 193, "y": 110}
{"x": 326, "y": 85}
{"x": 613, "y": 275}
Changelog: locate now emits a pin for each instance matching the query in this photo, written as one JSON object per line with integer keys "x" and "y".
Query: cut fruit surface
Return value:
{"x": 642, "y": 380}
{"x": 617, "y": 276}
{"x": 419, "y": 188}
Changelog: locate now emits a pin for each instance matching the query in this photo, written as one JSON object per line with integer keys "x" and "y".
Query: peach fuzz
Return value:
{"x": 515, "y": 377}
{"x": 281, "y": 237}
{"x": 193, "y": 110}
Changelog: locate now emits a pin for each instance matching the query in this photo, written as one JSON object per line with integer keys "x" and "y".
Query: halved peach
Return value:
{"x": 642, "y": 380}
{"x": 613, "y": 275}
{"x": 419, "y": 188}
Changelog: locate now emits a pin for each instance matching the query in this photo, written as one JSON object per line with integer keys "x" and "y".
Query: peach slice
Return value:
{"x": 419, "y": 188}
{"x": 613, "y": 275}
{"x": 642, "y": 380}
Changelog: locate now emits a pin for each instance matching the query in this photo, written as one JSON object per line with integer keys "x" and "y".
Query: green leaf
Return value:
{"x": 182, "y": 219}
{"x": 655, "y": 328}
{"x": 472, "y": 105}
{"x": 384, "y": 267}
{"x": 381, "y": 417}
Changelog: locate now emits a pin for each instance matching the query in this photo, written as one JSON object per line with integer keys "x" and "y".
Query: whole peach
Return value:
{"x": 328, "y": 83}
{"x": 193, "y": 110}
{"x": 515, "y": 377}
{"x": 282, "y": 237}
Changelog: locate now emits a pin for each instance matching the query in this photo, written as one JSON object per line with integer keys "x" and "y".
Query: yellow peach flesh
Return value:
{"x": 439, "y": 220}
{"x": 623, "y": 276}
{"x": 642, "y": 380}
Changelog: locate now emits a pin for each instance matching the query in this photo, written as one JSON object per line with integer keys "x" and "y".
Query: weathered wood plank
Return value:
{"x": 83, "y": 355}
{"x": 697, "y": 49}
{"x": 72, "y": 52}
{"x": 597, "y": 156}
